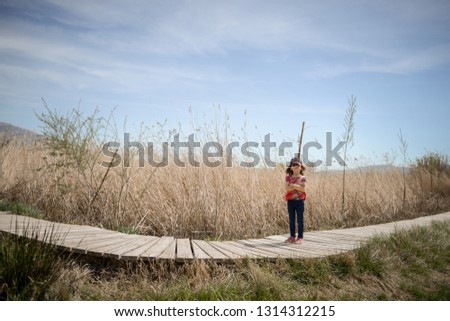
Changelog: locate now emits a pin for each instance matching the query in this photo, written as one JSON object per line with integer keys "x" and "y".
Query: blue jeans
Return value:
{"x": 296, "y": 207}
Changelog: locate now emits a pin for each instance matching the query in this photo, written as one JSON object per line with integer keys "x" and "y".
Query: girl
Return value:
{"x": 295, "y": 197}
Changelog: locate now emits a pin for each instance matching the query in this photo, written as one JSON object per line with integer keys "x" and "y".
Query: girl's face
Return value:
{"x": 296, "y": 169}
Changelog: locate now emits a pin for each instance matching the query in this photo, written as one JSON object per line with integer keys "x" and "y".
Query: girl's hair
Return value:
{"x": 289, "y": 169}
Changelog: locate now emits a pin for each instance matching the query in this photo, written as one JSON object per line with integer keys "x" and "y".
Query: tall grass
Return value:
{"x": 63, "y": 176}
{"x": 29, "y": 267}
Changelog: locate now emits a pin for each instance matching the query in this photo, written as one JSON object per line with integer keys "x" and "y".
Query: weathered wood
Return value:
{"x": 199, "y": 253}
{"x": 89, "y": 243}
{"x": 327, "y": 241}
{"x": 107, "y": 245}
{"x": 135, "y": 253}
{"x": 99, "y": 242}
{"x": 342, "y": 237}
{"x": 169, "y": 252}
{"x": 184, "y": 251}
{"x": 304, "y": 248}
{"x": 86, "y": 234}
{"x": 271, "y": 247}
{"x": 210, "y": 250}
{"x": 157, "y": 248}
{"x": 130, "y": 242}
{"x": 225, "y": 249}
{"x": 47, "y": 235}
{"x": 28, "y": 225}
{"x": 253, "y": 250}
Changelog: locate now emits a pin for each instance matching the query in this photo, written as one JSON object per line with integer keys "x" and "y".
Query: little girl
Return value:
{"x": 295, "y": 197}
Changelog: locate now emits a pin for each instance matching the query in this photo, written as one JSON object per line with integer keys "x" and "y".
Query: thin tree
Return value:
{"x": 348, "y": 137}
{"x": 300, "y": 140}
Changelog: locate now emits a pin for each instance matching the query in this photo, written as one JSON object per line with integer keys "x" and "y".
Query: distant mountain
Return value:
{"x": 378, "y": 168}
{"x": 13, "y": 131}
{"x": 371, "y": 168}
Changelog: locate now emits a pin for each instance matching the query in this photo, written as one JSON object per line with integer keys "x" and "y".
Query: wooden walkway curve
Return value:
{"x": 94, "y": 241}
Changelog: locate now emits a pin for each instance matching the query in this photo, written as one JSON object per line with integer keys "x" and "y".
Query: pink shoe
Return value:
{"x": 291, "y": 239}
{"x": 298, "y": 241}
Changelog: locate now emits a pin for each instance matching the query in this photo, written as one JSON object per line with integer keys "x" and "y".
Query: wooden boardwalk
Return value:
{"x": 94, "y": 241}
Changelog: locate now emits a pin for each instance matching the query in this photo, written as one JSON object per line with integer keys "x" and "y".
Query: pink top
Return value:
{"x": 294, "y": 194}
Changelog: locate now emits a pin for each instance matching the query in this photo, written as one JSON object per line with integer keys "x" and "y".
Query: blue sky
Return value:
{"x": 283, "y": 62}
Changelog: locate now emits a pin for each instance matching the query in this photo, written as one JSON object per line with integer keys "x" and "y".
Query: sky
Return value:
{"x": 267, "y": 65}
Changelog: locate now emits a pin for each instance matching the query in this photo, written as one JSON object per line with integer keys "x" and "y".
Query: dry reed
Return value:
{"x": 204, "y": 202}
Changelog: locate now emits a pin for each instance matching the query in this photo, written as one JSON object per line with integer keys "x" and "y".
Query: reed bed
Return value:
{"x": 205, "y": 202}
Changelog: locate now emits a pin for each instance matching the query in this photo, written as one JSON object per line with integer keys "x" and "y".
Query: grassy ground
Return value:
{"x": 408, "y": 265}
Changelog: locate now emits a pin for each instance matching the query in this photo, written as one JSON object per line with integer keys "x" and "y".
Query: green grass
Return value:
{"x": 127, "y": 230}
{"x": 28, "y": 268}
{"x": 20, "y": 208}
{"x": 407, "y": 265}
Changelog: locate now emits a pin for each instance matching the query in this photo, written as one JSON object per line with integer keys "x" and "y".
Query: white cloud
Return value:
{"x": 130, "y": 43}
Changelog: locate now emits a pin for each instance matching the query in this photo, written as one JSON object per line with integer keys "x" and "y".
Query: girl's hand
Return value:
{"x": 299, "y": 188}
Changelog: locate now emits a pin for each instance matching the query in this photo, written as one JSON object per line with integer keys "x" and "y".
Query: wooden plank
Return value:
{"x": 26, "y": 226}
{"x": 278, "y": 237}
{"x": 157, "y": 248}
{"x": 327, "y": 246}
{"x": 75, "y": 230}
{"x": 169, "y": 252}
{"x": 90, "y": 246}
{"x": 203, "y": 246}
{"x": 134, "y": 241}
{"x": 350, "y": 237}
{"x": 13, "y": 217}
{"x": 115, "y": 250}
{"x": 368, "y": 233}
{"x": 15, "y": 224}
{"x": 44, "y": 231}
{"x": 221, "y": 248}
{"x": 324, "y": 247}
{"x": 271, "y": 247}
{"x": 335, "y": 233}
{"x": 317, "y": 252}
{"x": 335, "y": 241}
{"x": 102, "y": 248}
{"x": 358, "y": 232}
{"x": 198, "y": 252}
{"x": 385, "y": 229}
{"x": 321, "y": 248}
{"x": 331, "y": 242}
{"x": 232, "y": 251}
{"x": 254, "y": 250}
{"x": 407, "y": 225}
{"x": 135, "y": 253}
{"x": 43, "y": 235}
{"x": 184, "y": 251}
{"x": 343, "y": 236}
{"x": 23, "y": 228}
{"x": 86, "y": 235}
{"x": 297, "y": 247}
{"x": 88, "y": 242}
{"x": 81, "y": 246}
{"x": 24, "y": 220}
{"x": 87, "y": 232}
